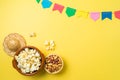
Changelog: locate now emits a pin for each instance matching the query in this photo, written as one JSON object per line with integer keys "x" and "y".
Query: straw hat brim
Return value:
{"x": 17, "y": 37}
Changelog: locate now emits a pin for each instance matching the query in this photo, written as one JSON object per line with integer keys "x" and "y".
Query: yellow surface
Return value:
{"x": 91, "y": 50}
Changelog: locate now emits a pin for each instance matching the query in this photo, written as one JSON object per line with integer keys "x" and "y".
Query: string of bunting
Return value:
{"x": 72, "y": 11}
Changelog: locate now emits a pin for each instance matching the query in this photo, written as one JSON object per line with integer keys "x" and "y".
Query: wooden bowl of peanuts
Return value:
{"x": 28, "y": 60}
{"x": 53, "y": 64}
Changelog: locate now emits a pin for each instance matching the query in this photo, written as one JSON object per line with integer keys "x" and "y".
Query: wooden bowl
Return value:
{"x": 50, "y": 62}
{"x": 15, "y": 63}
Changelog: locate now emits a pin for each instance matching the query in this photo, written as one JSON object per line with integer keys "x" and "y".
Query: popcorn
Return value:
{"x": 46, "y": 43}
{"x": 37, "y": 54}
{"x": 50, "y": 45}
{"x": 51, "y": 42}
{"x": 23, "y": 70}
{"x": 33, "y": 34}
{"x": 29, "y": 60}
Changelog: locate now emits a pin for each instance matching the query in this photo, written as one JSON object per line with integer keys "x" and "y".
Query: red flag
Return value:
{"x": 58, "y": 7}
{"x": 117, "y": 14}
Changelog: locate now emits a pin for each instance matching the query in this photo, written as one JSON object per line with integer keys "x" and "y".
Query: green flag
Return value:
{"x": 38, "y": 1}
{"x": 70, "y": 11}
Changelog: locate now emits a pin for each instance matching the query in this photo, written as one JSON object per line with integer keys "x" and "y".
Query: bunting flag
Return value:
{"x": 58, "y": 7}
{"x": 38, "y": 1}
{"x": 46, "y": 3}
{"x": 106, "y": 15}
{"x": 82, "y": 14}
{"x": 95, "y": 15}
{"x": 79, "y": 13}
{"x": 70, "y": 11}
{"x": 117, "y": 14}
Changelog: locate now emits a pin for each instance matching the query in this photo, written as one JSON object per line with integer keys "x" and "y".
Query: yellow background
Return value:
{"x": 90, "y": 50}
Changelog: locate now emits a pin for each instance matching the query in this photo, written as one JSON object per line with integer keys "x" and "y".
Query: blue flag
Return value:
{"x": 107, "y": 15}
{"x": 46, "y": 3}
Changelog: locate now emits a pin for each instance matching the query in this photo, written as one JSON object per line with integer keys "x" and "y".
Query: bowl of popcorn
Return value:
{"x": 53, "y": 64}
{"x": 28, "y": 60}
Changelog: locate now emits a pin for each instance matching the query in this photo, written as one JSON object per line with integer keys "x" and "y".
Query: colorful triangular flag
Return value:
{"x": 38, "y": 1}
{"x": 117, "y": 14}
{"x": 70, "y": 11}
{"x": 82, "y": 14}
{"x": 46, "y": 3}
{"x": 106, "y": 15}
{"x": 95, "y": 15}
{"x": 58, "y": 7}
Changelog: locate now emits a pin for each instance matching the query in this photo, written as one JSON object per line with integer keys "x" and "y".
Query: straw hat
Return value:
{"x": 13, "y": 42}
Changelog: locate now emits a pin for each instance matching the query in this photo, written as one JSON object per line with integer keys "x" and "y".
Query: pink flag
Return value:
{"x": 95, "y": 15}
{"x": 117, "y": 14}
{"x": 58, "y": 7}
